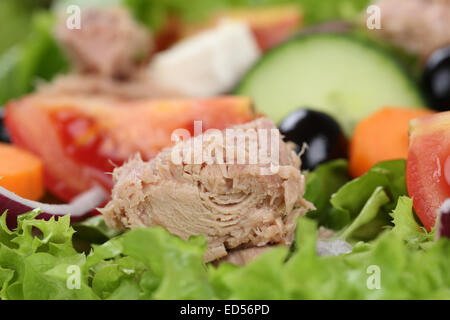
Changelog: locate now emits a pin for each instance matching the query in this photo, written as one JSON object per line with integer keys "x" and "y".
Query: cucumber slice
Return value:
{"x": 339, "y": 74}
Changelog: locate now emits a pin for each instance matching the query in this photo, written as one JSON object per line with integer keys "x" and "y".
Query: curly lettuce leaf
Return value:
{"x": 147, "y": 263}
{"x": 401, "y": 270}
{"x": 150, "y": 263}
{"x": 32, "y": 253}
{"x": 46, "y": 275}
{"x": 261, "y": 279}
{"x": 407, "y": 227}
{"x": 176, "y": 263}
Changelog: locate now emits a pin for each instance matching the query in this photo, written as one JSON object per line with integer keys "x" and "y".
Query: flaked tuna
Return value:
{"x": 234, "y": 205}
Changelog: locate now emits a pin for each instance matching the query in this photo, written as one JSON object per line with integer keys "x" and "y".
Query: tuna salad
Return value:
{"x": 224, "y": 149}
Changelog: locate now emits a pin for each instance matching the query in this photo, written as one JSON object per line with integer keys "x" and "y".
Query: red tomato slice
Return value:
{"x": 428, "y": 168}
{"x": 80, "y": 140}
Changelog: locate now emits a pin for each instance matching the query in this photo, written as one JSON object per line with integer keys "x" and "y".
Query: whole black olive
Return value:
{"x": 4, "y": 137}
{"x": 436, "y": 79}
{"x": 319, "y": 131}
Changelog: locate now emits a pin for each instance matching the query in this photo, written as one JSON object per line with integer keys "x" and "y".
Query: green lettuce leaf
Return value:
{"x": 321, "y": 184}
{"x": 259, "y": 280}
{"x": 118, "y": 279}
{"x": 150, "y": 263}
{"x": 154, "y": 13}
{"x": 37, "y": 58}
{"x": 402, "y": 272}
{"x": 14, "y": 23}
{"x": 147, "y": 263}
{"x": 390, "y": 175}
{"x": 92, "y": 231}
{"x": 178, "y": 264}
{"x": 360, "y": 206}
{"x": 375, "y": 194}
{"x": 368, "y": 212}
{"x": 46, "y": 276}
{"x": 326, "y": 10}
{"x": 407, "y": 227}
{"x": 38, "y": 253}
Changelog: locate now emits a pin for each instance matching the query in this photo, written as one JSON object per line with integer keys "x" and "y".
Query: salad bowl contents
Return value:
{"x": 226, "y": 150}
{"x": 270, "y": 25}
{"x": 342, "y": 88}
{"x": 85, "y": 137}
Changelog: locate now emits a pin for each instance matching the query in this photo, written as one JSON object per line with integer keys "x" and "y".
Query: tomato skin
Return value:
{"x": 427, "y": 165}
{"x": 271, "y": 35}
{"x": 81, "y": 140}
{"x": 31, "y": 128}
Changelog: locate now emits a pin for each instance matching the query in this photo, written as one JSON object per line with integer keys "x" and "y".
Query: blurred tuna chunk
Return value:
{"x": 109, "y": 42}
{"x": 418, "y": 26}
{"x": 138, "y": 86}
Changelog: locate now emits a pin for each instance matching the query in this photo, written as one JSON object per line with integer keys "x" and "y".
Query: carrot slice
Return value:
{"x": 21, "y": 172}
{"x": 382, "y": 136}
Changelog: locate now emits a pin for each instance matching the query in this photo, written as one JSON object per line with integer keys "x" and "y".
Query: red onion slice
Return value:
{"x": 80, "y": 206}
{"x": 443, "y": 226}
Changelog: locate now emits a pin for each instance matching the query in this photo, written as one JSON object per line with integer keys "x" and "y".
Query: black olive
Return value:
{"x": 4, "y": 136}
{"x": 436, "y": 79}
{"x": 319, "y": 131}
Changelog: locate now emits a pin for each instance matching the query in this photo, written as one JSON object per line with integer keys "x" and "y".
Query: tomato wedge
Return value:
{"x": 81, "y": 139}
{"x": 428, "y": 167}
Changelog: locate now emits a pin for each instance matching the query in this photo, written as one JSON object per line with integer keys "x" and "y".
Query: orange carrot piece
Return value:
{"x": 380, "y": 137}
{"x": 21, "y": 172}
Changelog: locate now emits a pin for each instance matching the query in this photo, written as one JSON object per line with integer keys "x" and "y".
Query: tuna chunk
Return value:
{"x": 234, "y": 204}
{"x": 109, "y": 42}
{"x": 418, "y": 26}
